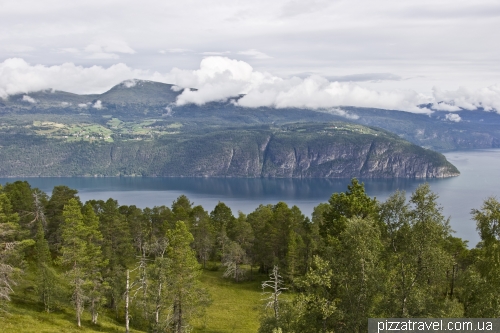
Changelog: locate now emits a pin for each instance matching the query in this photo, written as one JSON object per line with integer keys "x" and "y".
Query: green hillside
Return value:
{"x": 236, "y": 307}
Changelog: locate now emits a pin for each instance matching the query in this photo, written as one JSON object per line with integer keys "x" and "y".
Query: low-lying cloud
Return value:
{"x": 486, "y": 98}
{"x": 453, "y": 117}
{"x": 220, "y": 79}
{"x": 19, "y": 77}
{"x": 29, "y": 99}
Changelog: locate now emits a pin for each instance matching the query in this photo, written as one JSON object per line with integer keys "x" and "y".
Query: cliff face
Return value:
{"x": 283, "y": 156}
{"x": 374, "y": 158}
{"x": 322, "y": 153}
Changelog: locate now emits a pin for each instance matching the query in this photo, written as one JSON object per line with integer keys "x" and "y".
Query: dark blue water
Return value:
{"x": 479, "y": 179}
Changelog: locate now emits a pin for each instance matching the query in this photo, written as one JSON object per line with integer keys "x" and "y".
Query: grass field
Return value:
{"x": 235, "y": 307}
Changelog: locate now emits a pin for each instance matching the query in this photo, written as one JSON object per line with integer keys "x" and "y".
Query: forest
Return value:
{"x": 355, "y": 258}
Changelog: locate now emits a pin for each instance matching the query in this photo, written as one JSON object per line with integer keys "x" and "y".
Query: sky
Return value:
{"x": 394, "y": 54}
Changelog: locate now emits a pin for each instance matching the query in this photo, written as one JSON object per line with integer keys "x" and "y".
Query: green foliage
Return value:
{"x": 54, "y": 213}
{"x": 189, "y": 299}
{"x": 488, "y": 221}
{"x": 352, "y": 203}
{"x": 74, "y": 253}
{"x": 481, "y": 283}
{"x": 47, "y": 283}
{"x": 392, "y": 259}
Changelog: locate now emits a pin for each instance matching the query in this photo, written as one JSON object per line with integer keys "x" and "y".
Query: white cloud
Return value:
{"x": 97, "y": 105}
{"x": 342, "y": 113}
{"x": 220, "y": 78}
{"x": 82, "y": 105}
{"x": 453, "y": 117}
{"x": 255, "y": 54}
{"x": 129, "y": 83}
{"x": 28, "y": 99}
{"x": 487, "y": 98}
{"x": 328, "y": 37}
{"x": 18, "y": 76}
{"x": 169, "y": 111}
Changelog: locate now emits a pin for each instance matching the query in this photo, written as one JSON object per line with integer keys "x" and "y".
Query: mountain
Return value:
{"x": 331, "y": 150}
{"x": 139, "y": 121}
{"x": 138, "y": 100}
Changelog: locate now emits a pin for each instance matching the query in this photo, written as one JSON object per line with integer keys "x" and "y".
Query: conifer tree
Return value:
{"x": 221, "y": 217}
{"x": 46, "y": 276}
{"x": 352, "y": 203}
{"x": 188, "y": 298}
{"x": 94, "y": 285}
{"x": 54, "y": 214}
{"x": 75, "y": 253}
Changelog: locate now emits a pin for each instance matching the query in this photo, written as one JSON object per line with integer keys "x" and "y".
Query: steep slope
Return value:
{"x": 333, "y": 150}
{"x": 136, "y": 100}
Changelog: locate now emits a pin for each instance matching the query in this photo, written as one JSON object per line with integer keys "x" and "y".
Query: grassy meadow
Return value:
{"x": 236, "y": 307}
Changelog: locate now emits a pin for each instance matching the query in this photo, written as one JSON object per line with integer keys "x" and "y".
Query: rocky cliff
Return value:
{"x": 298, "y": 151}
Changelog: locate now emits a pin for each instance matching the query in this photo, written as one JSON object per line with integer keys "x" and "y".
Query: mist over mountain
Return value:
{"x": 141, "y": 99}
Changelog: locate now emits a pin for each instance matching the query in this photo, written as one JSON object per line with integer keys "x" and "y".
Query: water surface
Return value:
{"x": 479, "y": 179}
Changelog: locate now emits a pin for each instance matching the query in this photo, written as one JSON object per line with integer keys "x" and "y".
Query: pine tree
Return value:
{"x": 188, "y": 297}
{"x": 46, "y": 276}
{"x": 352, "y": 203}
{"x": 94, "y": 285}
{"x": 75, "y": 253}
{"x": 54, "y": 214}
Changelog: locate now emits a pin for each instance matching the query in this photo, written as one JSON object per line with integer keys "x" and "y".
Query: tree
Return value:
{"x": 275, "y": 283}
{"x": 262, "y": 253}
{"x": 46, "y": 276}
{"x": 159, "y": 298}
{"x": 221, "y": 217}
{"x": 358, "y": 274}
{"x": 418, "y": 261}
{"x": 20, "y": 197}
{"x": 9, "y": 227}
{"x": 488, "y": 221}
{"x": 315, "y": 308}
{"x": 54, "y": 213}
{"x": 139, "y": 225}
{"x": 181, "y": 209}
{"x": 352, "y": 203}
{"x": 116, "y": 247}
{"x": 74, "y": 253}
{"x": 94, "y": 285}
{"x": 188, "y": 297}
{"x": 234, "y": 256}
{"x": 482, "y": 280}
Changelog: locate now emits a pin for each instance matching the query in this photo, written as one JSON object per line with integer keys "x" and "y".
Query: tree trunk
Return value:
{"x": 127, "y": 290}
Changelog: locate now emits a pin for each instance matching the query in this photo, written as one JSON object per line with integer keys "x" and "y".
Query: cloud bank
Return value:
{"x": 220, "y": 78}
{"x": 17, "y": 76}
{"x": 486, "y": 98}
